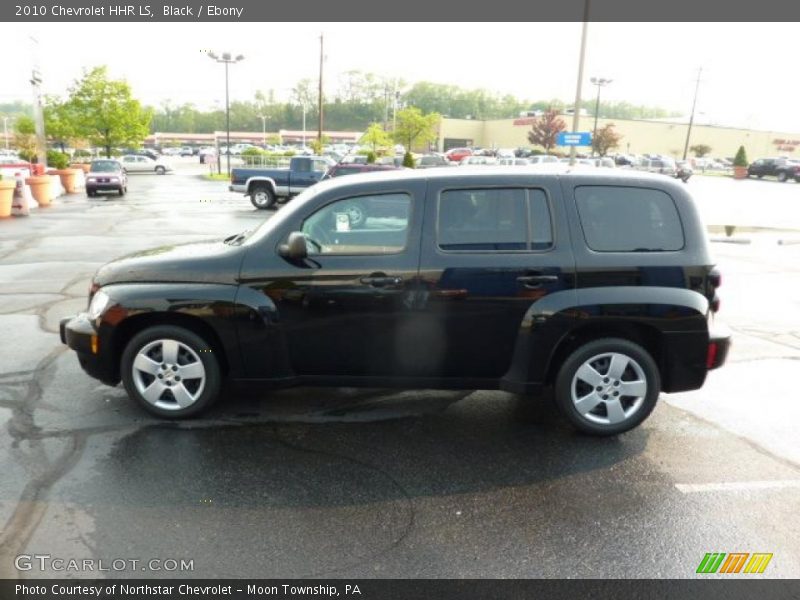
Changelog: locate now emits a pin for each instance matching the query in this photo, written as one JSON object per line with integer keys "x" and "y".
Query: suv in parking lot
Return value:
{"x": 782, "y": 168}
{"x": 594, "y": 283}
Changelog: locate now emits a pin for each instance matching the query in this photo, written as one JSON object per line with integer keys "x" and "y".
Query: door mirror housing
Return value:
{"x": 295, "y": 247}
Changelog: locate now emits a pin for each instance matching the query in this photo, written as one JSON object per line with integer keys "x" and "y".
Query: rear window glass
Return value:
{"x": 494, "y": 219}
{"x": 628, "y": 219}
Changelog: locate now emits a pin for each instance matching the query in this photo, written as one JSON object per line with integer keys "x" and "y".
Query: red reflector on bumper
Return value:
{"x": 711, "y": 358}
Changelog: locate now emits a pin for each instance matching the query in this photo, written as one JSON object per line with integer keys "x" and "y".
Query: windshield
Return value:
{"x": 105, "y": 166}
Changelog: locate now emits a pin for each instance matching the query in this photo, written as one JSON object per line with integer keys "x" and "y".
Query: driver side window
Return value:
{"x": 361, "y": 225}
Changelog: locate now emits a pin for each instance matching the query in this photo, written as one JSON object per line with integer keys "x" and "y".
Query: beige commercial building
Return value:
{"x": 638, "y": 137}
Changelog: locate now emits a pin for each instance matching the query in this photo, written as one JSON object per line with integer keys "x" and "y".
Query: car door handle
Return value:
{"x": 535, "y": 281}
{"x": 381, "y": 280}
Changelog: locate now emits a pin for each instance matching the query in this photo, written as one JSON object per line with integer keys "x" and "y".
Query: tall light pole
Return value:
{"x": 5, "y": 130}
{"x": 304, "y": 126}
{"x": 227, "y": 59}
{"x": 576, "y": 116}
{"x": 599, "y": 82}
{"x": 691, "y": 118}
{"x": 264, "y": 129}
{"x": 319, "y": 99}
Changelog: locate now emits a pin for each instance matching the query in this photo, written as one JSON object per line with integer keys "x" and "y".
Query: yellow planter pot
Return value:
{"x": 40, "y": 188}
{"x": 6, "y": 197}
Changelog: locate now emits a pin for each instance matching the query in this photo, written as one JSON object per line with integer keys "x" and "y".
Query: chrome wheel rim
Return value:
{"x": 356, "y": 214}
{"x": 261, "y": 198}
{"x": 609, "y": 388}
{"x": 168, "y": 374}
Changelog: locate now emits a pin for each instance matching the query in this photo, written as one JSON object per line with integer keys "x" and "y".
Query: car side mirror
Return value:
{"x": 295, "y": 247}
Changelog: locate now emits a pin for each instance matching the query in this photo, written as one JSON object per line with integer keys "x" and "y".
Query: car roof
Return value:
{"x": 516, "y": 175}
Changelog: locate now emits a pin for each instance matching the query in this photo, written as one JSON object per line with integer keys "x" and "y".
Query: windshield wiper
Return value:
{"x": 235, "y": 240}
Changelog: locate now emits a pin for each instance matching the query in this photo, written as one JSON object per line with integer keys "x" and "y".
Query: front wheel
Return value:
{"x": 782, "y": 176}
{"x": 607, "y": 386}
{"x": 160, "y": 170}
{"x": 171, "y": 372}
{"x": 262, "y": 197}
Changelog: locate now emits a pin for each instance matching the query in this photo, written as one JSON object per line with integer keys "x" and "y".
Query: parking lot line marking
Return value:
{"x": 737, "y": 486}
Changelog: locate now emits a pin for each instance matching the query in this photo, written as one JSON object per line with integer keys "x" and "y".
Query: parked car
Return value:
{"x": 171, "y": 152}
{"x": 536, "y": 159}
{"x": 457, "y": 154}
{"x": 430, "y": 161}
{"x": 266, "y": 185}
{"x": 186, "y": 151}
{"x": 782, "y": 168}
{"x": 340, "y": 169}
{"x": 683, "y": 170}
{"x": 478, "y": 160}
{"x": 136, "y": 163}
{"x": 597, "y": 285}
{"x": 106, "y": 175}
{"x": 513, "y": 162}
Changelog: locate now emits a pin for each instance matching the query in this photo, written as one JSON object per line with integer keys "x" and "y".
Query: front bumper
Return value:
{"x": 103, "y": 187}
{"x": 719, "y": 344}
{"x": 79, "y": 334}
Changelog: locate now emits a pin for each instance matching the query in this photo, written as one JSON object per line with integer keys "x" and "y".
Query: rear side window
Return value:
{"x": 494, "y": 219}
{"x": 628, "y": 219}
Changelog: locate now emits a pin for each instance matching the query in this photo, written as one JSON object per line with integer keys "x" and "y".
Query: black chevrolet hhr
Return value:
{"x": 596, "y": 284}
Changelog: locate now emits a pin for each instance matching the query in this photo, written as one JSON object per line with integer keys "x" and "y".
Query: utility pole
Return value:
{"x": 38, "y": 112}
{"x": 576, "y": 116}
{"x": 691, "y": 117}
{"x": 321, "y": 60}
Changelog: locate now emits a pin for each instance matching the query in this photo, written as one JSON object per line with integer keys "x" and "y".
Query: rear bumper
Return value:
{"x": 719, "y": 344}
{"x": 242, "y": 189}
{"x": 79, "y": 334}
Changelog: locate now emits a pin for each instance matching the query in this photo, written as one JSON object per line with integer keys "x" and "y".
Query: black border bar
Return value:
{"x": 402, "y": 589}
{"x": 401, "y": 11}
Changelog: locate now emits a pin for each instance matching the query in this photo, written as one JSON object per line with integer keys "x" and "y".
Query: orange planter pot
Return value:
{"x": 6, "y": 197}
{"x": 740, "y": 172}
{"x": 67, "y": 177}
{"x": 40, "y": 188}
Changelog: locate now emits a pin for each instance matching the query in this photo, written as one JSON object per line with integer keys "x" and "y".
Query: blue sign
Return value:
{"x": 579, "y": 138}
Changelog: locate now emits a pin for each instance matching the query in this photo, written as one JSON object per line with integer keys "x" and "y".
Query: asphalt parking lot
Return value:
{"x": 377, "y": 483}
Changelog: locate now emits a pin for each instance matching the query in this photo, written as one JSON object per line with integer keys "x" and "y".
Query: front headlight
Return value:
{"x": 91, "y": 179}
{"x": 98, "y": 305}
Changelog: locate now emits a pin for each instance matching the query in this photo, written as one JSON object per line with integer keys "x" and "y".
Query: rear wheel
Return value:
{"x": 356, "y": 214}
{"x": 160, "y": 170}
{"x": 782, "y": 176}
{"x": 262, "y": 197}
{"x": 607, "y": 386}
{"x": 171, "y": 372}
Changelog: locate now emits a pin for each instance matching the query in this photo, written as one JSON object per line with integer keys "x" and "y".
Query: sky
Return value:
{"x": 747, "y": 78}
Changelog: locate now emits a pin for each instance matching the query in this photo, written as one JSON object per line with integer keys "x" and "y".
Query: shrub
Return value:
{"x": 740, "y": 160}
{"x": 57, "y": 160}
{"x": 408, "y": 160}
{"x": 371, "y": 157}
{"x": 252, "y": 152}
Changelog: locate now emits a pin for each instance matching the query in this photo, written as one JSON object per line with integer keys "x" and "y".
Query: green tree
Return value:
{"x": 740, "y": 160}
{"x": 415, "y": 128}
{"x": 545, "y": 129}
{"x": 700, "y": 150}
{"x": 25, "y": 138}
{"x": 606, "y": 139}
{"x": 376, "y": 138}
{"x": 104, "y": 111}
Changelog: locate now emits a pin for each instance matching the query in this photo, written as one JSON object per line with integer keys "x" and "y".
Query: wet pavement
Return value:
{"x": 376, "y": 483}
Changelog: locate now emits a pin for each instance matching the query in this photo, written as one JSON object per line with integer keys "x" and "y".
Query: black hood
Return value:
{"x": 199, "y": 262}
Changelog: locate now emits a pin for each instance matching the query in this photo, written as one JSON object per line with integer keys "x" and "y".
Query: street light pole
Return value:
{"x": 576, "y": 116}
{"x": 691, "y": 118}
{"x": 5, "y": 130}
{"x": 304, "y": 126}
{"x": 264, "y": 130}
{"x": 599, "y": 82}
{"x": 226, "y": 59}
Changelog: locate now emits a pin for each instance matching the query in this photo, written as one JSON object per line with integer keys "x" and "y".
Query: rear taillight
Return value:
{"x": 714, "y": 282}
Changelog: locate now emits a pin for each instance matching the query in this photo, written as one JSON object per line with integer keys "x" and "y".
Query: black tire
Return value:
{"x": 160, "y": 170}
{"x": 357, "y": 214}
{"x": 193, "y": 349}
{"x": 262, "y": 197}
{"x": 600, "y": 420}
{"x": 759, "y": 176}
{"x": 91, "y": 193}
{"x": 121, "y": 191}
{"x": 782, "y": 176}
